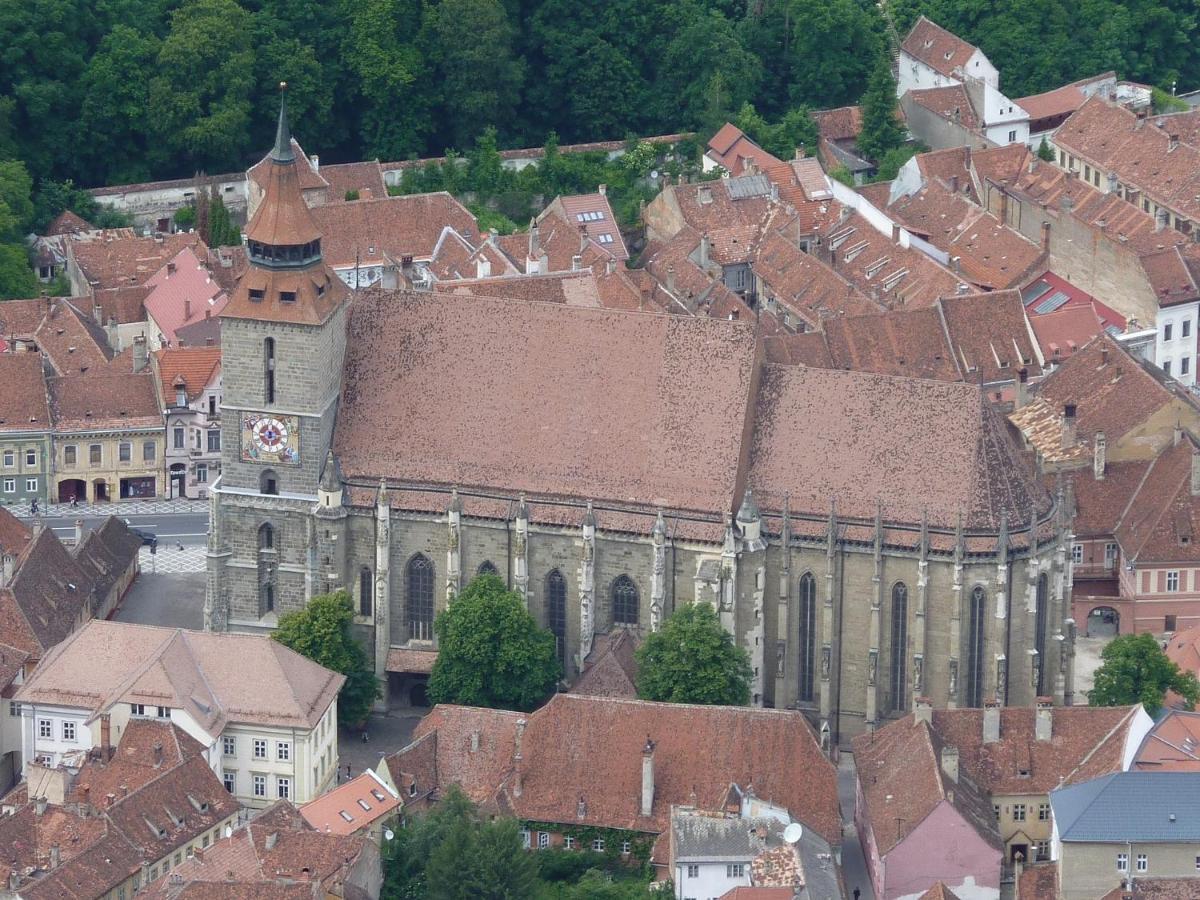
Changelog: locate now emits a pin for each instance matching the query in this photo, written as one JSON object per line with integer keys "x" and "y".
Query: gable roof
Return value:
{"x": 820, "y": 435}
{"x": 114, "y": 260}
{"x": 182, "y": 293}
{"x": 104, "y": 399}
{"x": 108, "y": 662}
{"x": 593, "y": 213}
{"x": 899, "y": 769}
{"x": 107, "y": 553}
{"x": 48, "y": 594}
{"x": 610, "y": 670}
{"x": 990, "y": 335}
{"x": 938, "y": 48}
{"x": 196, "y": 366}
{"x": 732, "y": 149}
{"x": 909, "y": 342}
{"x": 25, "y": 401}
{"x": 1150, "y": 807}
{"x": 371, "y": 232}
{"x": 678, "y": 444}
{"x": 352, "y": 806}
{"x": 71, "y": 341}
{"x": 1173, "y": 744}
{"x": 952, "y": 103}
{"x": 1163, "y": 517}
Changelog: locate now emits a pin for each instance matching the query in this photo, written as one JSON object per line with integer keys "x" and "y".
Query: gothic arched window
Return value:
{"x": 899, "y": 684}
{"x": 366, "y": 590}
{"x": 266, "y": 536}
{"x": 807, "y": 638}
{"x": 487, "y": 567}
{"x": 975, "y": 625}
{"x": 269, "y": 370}
{"x": 419, "y": 580}
{"x": 1039, "y": 637}
{"x": 267, "y": 599}
{"x": 625, "y": 601}
{"x": 556, "y": 611}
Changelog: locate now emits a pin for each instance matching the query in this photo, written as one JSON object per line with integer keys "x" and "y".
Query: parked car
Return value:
{"x": 148, "y": 538}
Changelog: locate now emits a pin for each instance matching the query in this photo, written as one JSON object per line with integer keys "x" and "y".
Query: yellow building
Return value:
{"x": 108, "y": 438}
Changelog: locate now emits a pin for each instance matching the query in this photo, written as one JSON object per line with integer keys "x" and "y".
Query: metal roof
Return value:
{"x": 748, "y": 186}
{"x": 1150, "y": 807}
{"x": 1051, "y": 303}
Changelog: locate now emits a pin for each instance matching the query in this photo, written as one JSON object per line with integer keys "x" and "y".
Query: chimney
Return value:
{"x": 140, "y": 357}
{"x": 954, "y": 184}
{"x": 774, "y": 192}
{"x": 671, "y": 278}
{"x": 1098, "y": 451}
{"x": 55, "y": 856}
{"x": 1003, "y": 207}
{"x": 105, "y": 737}
{"x": 895, "y": 233}
{"x": 483, "y": 267}
{"x": 1068, "y": 426}
{"x": 158, "y": 754}
{"x": 1046, "y": 236}
{"x": 1160, "y": 219}
{"x": 1022, "y": 387}
{"x": 991, "y": 722}
{"x": 648, "y": 778}
{"x": 950, "y": 763}
{"x": 1104, "y": 355}
{"x": 187, "y": 309}
{"x": 1043, "y": 725}
{"x": 923, "y": 711}
{"x": 610, "y": 266}
{"x": 602, "y": 189}
{"x": 170, "y": 268}
{"x": 39, "y": 806}
{"x": 1195, "y": 472}
{"x": 1113, "y": 182}
{"x": 705, "y": 250}
{"x": 956, "y": 264}
{"x": 576, "y": 263}
{"x": 518, "y": 775}
{"x": 8, "y": 569}
{"x": 272, "y": 838}
{"x": 1172, "y": 142}
{"x": 316, "y": 162}
{"x": 543, "y": 265}
{"x": 78, "y": 532}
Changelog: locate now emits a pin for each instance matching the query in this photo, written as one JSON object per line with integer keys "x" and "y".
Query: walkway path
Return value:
{"x": 854, "y": 866}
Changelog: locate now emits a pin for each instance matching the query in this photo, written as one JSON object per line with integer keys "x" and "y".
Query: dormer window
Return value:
{"x": 257, "y": 295}
{"x": 287, "y": 296}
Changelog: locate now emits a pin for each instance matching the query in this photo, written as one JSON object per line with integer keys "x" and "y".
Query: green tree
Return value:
{"x": 491, "y": 652}
{"x": 53, "y": 197}
{"x": 452, "y": 852}
{"x": 693, "y": 659}
{"x": 1136, "y": 670}
{"x": 16, "y": 277}
{"x": 16, "y": 202}
{"x": 1045, "y": 154}
{"x": 881, "y": 132}
{"x": 200, "y": 100}
{"x": 221, "y": 230}
{"x": 478, "y": 69}
{"x": 831, "y": 48}
{"x": 321, "y": 631}
{"x": 796, "y": 129}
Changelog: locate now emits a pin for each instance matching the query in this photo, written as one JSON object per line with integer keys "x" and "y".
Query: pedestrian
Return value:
{"x": 347, "y": 771}
{"x": 33, "y": 507}
{"x": 364, "y": 736}
{"x": 74, "y": 501}
{"x": 857, "y": 893}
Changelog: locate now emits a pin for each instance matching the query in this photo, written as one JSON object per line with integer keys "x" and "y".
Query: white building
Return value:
{"x": 933, "y": 57}
{"x": 1175, "y": 343}
{"x": 266, "y": 716}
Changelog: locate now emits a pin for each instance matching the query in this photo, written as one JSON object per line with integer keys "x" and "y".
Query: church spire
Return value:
{"x": 282, "y": 152}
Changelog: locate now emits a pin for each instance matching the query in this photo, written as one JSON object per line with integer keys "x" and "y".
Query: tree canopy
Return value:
{"x": 112, "y": 91}
{"x": 1136, "y": 670}
{"x": 693, "y": 659}
{"x": 491, "y": 652}
{"x": 321, "y": 631}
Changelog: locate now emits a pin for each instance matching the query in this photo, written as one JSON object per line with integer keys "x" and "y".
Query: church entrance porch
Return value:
{"x": 408, "y": 677}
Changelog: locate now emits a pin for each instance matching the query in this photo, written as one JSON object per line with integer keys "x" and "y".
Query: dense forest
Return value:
{"x": 110, "y": 91}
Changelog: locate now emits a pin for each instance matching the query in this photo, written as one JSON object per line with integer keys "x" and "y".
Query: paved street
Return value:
{"x": 173, "y": 521}
{"x": 854, "y": 866}
{"x": 385, "y": 735}
{"x": 175, "y": 601}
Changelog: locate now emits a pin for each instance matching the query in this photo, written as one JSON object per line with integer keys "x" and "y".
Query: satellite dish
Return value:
{"x": 793, "y": 832}
{"x": 389, "y": 834}
{"x": 228, "y": 831}
{"x": 654, "y": 173}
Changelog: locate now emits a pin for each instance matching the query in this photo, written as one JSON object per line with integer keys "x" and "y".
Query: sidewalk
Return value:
{"x": 854, "y": 865}
{"x": 114, "y": 508}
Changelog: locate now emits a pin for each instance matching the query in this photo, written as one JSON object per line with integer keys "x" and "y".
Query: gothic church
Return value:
{"x": 868, "y": 539}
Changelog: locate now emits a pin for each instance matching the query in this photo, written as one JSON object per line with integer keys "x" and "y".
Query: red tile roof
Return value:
{"x": 1162, "y": 523}
{"x": 365, "y": 178}
{"x": 1173, "y": 745}
{"x": 610, "y": 670}
{"x": 104, "y": 400}
{"x": 71, "y": 340}
{"x": 15, "y": 535}
{"x": 364, "y": 800}
{"x": 733, "y": 150}
{"x": 911, "y": 342}
{"x": 938, "y": 48}
{"x": 116, "y": 261}
{"x": 196, "y": 366}
{"x": 1061, "y": 332}
{"x": 66, "y": 222}
{"x": 951, "y": 103}
{"x": 371, "y": 231}
{"x": 182, "y": 293}
{"x": 990, "y": 335}
{"x": 841, "y": 124}
{"x": 539, "y": 367}
{"x": 593, "y": 212}
{"x": 25, "y": 402}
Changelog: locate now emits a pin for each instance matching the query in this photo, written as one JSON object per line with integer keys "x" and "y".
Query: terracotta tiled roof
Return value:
{"x": 820, "y": 432}
{"x": 1058, "y": 102}
{"x": 15, "y": 535}
{"x": 1113, "y": 391}
{"x": 699, "y": 751}
{"x": 583, "y": 209}
{"x": 911, "y": 342}
{"x": 937, "y": 48}
{"x": 901, "y": 780}
{"x": 106, "y": 662}
{"x": 990, "y": 335}
{"x": 419, "y": 661}
{"x": 28, "y": 838}
{"x": 939, "y": 892}
{"x": 1173, "y": 744}
{"x": 365, "y": 800}
{"x": 1099, "y": 504}
{"x": 20, "y": 318}
{"x": 841, "y": 124}
{"x": 460, "y": 745}
{"x": 44, "y": 600}
{"x": 539, "y": 368}
{"x": 111, "y": 262}
{"x": 1162, "y": 522}
{"x": 24, "y": 403}
{"x": 732, "y": 150}
{"x": 125, "y": 305}
{"x": 315, "y": 291}
{"x": 309, "y": 178}
{"x": 1039, "y": 881}
{"x": 806, "y": 348}
{"x": 104, "y": 400}
{"x": 197, "y": 366}
{"x": 181, "y": 293}
{"x": 572, "y": 288}
{"x": 107, "y": 554}
{"x": 366, "y": 178}
{"x": 805, "y": 286}
{"x": 370, "y": 232}
{"x": 71, "y": 340}
{"x": 1061, "y": 332}
{"x": 759, "y": 893}
{"x": 951, "y": 103}
{"x": 610, "y": 670}
{"x": 66, "y": 222}
{"x": 950, "y": 166}
{"x": 1085, "y": 742}
{"x": 1111, "y": 137}
{"x": 1155, "y": 889}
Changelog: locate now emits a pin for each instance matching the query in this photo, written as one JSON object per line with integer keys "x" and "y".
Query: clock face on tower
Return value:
{"x": 270, "y": 439}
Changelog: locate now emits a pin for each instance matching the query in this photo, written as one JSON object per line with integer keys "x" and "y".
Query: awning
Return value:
{"x": 411, "y": 662}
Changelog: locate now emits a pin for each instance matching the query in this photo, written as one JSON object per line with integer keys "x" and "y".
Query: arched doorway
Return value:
{"x": 72, "y": 489}
{"x": 1103, "y": 621}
